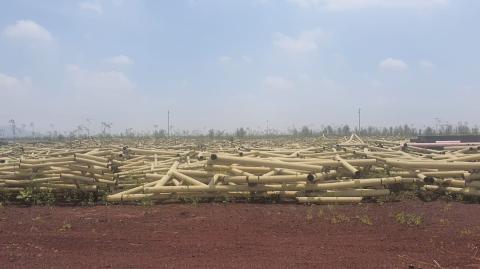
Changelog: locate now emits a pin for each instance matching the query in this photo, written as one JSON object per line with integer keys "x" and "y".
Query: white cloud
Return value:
{"x": 27, "y": 30}
{"x": 277, "y": 83}
{"x": 225, "y": 59}
{"x": 426, "y": 65}
{"x": 14, "y": 91}
{"x": 98, "y": 83}
{"x": 119, "y": 60}
{"x": 361, "y": 4}
{"x": 306, "y": 41}
{"x": 91, "y": 6}
{"x": 391, "y": 64}
{"x": 247, "y": 59}
{"x": 10, "y": 84}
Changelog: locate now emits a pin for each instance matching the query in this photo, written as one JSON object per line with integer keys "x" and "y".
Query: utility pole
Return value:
{"x": 168, "y": 123}
{"x": 267, "y": 128}
{"x": 359, "y": 117}
{"x": 32, "y": 125}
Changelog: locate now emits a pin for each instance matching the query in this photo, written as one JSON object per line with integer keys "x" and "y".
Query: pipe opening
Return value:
{"x": 429, "y": 180}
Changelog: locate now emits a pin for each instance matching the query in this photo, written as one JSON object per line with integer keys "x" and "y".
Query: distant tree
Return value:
{"x": 240, "y": 132}
{"x": 14, "y": 127}
{"x": 160, "y": 133}
{"x": 293, "y": 131}
{"x": 346, "y": 129}
{"x": 129, "y": 132}
{"x": 475, "y": 130}
{"x": 463, "y": 128}
{"x": 105, "y": 126}
{"x": 220, "y": 133}
{"x": 32, "y": 127}
{"x": 328, "y": 130}
{"x": 428, "y": 131}
{"x": 305, "y": 131}
{"x": 211, "y": 133}
{"x": 448, "y": 129}
{"x": 384, "y": 131}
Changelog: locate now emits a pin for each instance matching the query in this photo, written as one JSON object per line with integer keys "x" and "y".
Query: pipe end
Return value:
{"x": 429, "y": 180}
{"x": 311, "y": 177}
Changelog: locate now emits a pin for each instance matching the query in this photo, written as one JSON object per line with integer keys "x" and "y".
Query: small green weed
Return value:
{"x": 365, "y": 219}
{"x": 408, "y": 219}
{"x": 66, "y": 227}
{"x": 339, "y": 218}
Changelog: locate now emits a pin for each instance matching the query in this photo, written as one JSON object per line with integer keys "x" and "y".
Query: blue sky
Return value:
{"x": 226, "y": 64}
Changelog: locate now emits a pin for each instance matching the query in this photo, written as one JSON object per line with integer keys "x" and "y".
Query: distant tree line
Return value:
{"x": 406, "y": 130}
{"x": 82, "y": 131}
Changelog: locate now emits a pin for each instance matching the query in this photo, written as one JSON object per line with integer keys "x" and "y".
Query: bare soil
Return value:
{"x": 407, "y": 234}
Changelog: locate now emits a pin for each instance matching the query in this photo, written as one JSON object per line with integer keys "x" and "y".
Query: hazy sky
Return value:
{"x": 226, "y": 64}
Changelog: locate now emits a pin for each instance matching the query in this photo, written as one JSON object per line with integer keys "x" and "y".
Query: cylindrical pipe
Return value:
{"x": 266, "y": 163}
{"x": 330, "y": 200}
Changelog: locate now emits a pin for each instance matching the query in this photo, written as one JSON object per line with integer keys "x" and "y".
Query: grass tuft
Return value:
{"x": 409, "y": 219}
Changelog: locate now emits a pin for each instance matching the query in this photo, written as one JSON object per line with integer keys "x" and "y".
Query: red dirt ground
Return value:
{"x": 241, "y": 236}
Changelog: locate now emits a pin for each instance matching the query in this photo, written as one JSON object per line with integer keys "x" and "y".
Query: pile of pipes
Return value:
{"x": 320, "y": 170}
{"x": 58, "y": 170}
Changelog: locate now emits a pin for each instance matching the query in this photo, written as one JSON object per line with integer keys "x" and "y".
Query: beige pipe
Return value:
{"x": 131, "y": 191}
{"x": 92, "y": 162}
{"x": 90, "y": 157}
{"x": 358, "y": 183}
{"x": 61, "y": 186}
{"x": 474, "y": 184}
{"x": 49, "y": 160}
{"x": 469, "y": 157}
{"x": 423, "y": 150}
{"x": 260, "y": 162}
{"x": 196, "y": 173}
{"x": 349, "y": 167}
{"x": 464, "y": 191}
{"x": 188, "y": 179}
{"x": 226, "y": 168}
{"x": 73, "y": 178}
{"x": 268, "y": 179}
{"x": 152, "y": 152}
{"x": 131, "y": 165}
{"x": 239, "y": 172}
{"x": 333, "y": 163}
{"x": 168, "y": 175}
{"x": 176, "y": 196}
{"x": 41, "y": 165}
{"x": 76, "y": 167}
{"x": 13, "y": 182}
{"x": 129, "y": 197}
{"x": 330, "y": 200}
{"x": 450, "y": 182}
{"x": 353, "y": 193}
{"x": 435, "y": 165}
{"x": 271, "y": 173}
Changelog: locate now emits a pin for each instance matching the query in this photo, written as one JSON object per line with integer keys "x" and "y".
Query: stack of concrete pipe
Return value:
{"x": 320, "y": 170}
